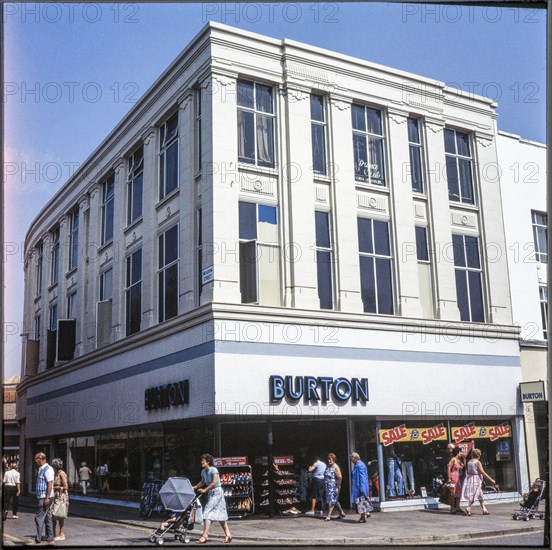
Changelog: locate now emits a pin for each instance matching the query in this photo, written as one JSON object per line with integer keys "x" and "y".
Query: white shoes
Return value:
{"x": 59, "y": 537}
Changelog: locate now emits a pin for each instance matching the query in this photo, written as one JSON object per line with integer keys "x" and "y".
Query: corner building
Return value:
{"x": 280, "y": 251}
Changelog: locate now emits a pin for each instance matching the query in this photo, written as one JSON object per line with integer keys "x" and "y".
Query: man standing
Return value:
{"x": 317, "y": 484}
{"x": 12, "y": 490}
{"x": 45, "y": 496}
{"x": 84, "y": 475}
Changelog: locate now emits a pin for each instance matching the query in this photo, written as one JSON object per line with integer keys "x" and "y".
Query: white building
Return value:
{"x": 284, "y": 251}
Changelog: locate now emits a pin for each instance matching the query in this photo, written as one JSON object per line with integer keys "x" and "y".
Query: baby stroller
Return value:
{"x": 179, "y": 498}
{"x": 529, "y": 508}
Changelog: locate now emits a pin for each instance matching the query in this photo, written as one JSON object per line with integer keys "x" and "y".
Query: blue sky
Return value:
{"x": 73, "y": 70}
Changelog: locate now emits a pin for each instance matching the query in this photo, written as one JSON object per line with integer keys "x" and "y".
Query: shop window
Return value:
{"x": 543, "y": 297}
{"x": 133, "y": 292}
{"x": 39, "y": 264}
{"x": 74, "y": 240}
{"x": 168, "y": 156}
{"x": 135, "y": 183}
{"x": 540, "y": 235}
{"x": 54, "y": 274}
{"x": 368, "y": 145}
{"x": 318, "y": 134}
{"x": 255, "y": 123}
{"x": 376, "y": 272}
{"x": 324, "y": 259}
{"x": 259, "y": 254}
{"x": 415, "y": 151}
{"x": 168, "y": 274}
{"x": 469, "y": 284}
{"x": 108, "y": 208}
{"x": 459, "y": 167}
{"x": 424, "y": 272}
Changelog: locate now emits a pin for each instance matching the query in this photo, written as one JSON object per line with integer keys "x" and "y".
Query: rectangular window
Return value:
{"x": 468, "y": 272}
{"x": 108, "y": 206}
{"x": 415, "y": 148}
{"x": 376, "y": 270}
{"x": 199, "y": 152}
{"x": 39, "y": 264}
{"x": 543, "y": 296}
{"x": 74, "y": 241}
{"x": 168, "y": 274}
{"x": 37, "y": 331}
{"x": 55, "y": 256}
{"x": 135, "y": 183}
{"x": 459, "y": 167}
{"x": 259, "y": 254}
{"x": 424, "y": 272}
{"x": 168, "y": 156}
{"x": 199, "y": 249}
{"x": 53, "y": 317}
{"x": 72, "y": 306}
{"x": 106, "y": 285}
{"x": 255, "y": 124}
{"x": 318, "y": 133}
{"x": 324, "y": 259}
{"x": 540, "y": 235}
{"x": 368, "y": 145}
{"x": 133, "y": 292}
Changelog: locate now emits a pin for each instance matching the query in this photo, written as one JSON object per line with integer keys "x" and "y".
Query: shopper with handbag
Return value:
{"x": 361, "y": 490}
{"x": 60, "y": 507}
{"x": 455, "y": 465}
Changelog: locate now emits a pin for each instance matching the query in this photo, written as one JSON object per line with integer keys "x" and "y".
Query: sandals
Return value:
{"x": 327, "y": 518}
{"x": 227, "y": 539}
{"x": 467, "y": 511}
{"x": 202, "y": 540}
{"x": 342, "y": 515}
{"x": 361, "y": 520}
{"x": 486, "y": 513}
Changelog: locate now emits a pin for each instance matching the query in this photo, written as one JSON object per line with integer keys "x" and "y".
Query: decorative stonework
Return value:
{"x": 84, "y": 203}
{"x": 419, "y": 211}
{"x": 256, "y": 185}
{"x": 93, "y": 190}
{"x": 148, "y": 135}
{"x": 398, "y": 117}
{"x": 305, "y": 72}
{"x": 463, "y": 220}
{"x": 321, "y": 193}
{"x": 434, "y": 126}
{"x": 118, "y": 165}
{"x": 342, "y": 105}
{"x": 483, "y": 141}
{"x": 369, "y": 201}
{"x": 294, "y": 94}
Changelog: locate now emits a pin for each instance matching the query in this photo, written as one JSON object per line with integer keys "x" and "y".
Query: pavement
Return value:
{"x": 427, "y": 526}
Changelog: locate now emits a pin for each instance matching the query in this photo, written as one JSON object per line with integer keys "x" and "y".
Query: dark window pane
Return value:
{"x": 416, "y": 169}
{"x": 377, "y": 173}
{"x": 108, "y": 221}
{"x": 134, "y": 306}
{"x": 161, "y": 297}
{"x": 317, "y": 107}
{"x": 361, "y": 157}
{"x": 452, "y": 178}
{"x": 466, "y": 181}
{"x": 324, "y": 273}
{"x": 476, "y": 297}
{"x": 171, "y": 245}
{"x": 161, "y": 251}
{"x": 472, "y": 251}
{"x": 171, "y": 174}
{"x": 462, "y": 144}
{"x": 413, "y": 133}
{"x": 367, "y": 284}
{"x": 449, "y": 142}
{"x": 385, "y": 286}
{"x": 264, "y": 99}
{"x": 248, "y": 272}
{"x": 248, "y": 220}
{"x": 458, "y": 251}
{"x": 265, "y": 141}
{"x": 245, "y": 94}
{"x": 267, "y": 214}
{"x": 462, "y": 294}
{"x": 246, "y": 136}
{"x": 318, "y": 148}
{"x": 421, "y": 244}
{"x": 381, "y": 238}
{"x": 359, "y": 122}
{"x": 365, "y": 235}
{"x": 137, "y": 197}
{"x": 172, "y": 126}
{"x": 171, "y": 291}
{"x": 374, "y": 121}
{"x": 136, "y": 267}
{"x": 322, "y": 223}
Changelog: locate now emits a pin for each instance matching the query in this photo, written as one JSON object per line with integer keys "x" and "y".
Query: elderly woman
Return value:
{"x": 61, "y": 488}
{"x": 332, "y": 482}
{"x": 473, "y": 483}
{"x": 215, "y": 509}
{"x": 361, "y": 491}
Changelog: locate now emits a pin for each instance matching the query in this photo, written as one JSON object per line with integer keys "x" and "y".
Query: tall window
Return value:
{"x": 135, "y": 181}
{"x": 199, "y": 152}
{"x": 72, "y": 306}
{"x": 55, "y": 257}
{"x": 376, "y": 274}
{"x": 255, "y": 124}
{"x": 106, "y": 285}
{"x": 469, "y": 284}
{"x": 459, "y": 167}
{"x": 318, "y": 133}
{"x": 39, "y": 264}
{"x": 74, "y": 240}
{"x": 133, "y": 292}
{"x": 368, "y": 145}
{"x": 199, "y": 232}
{"x": 53, "y": 317}
{"x": 324, "y": 259}
{"x": 168, "y": 156}
{"x": 415, "y": 148}
{"x": 424, "y": 272}
{"x": 108, "y": 206}
{"x": 259, "y": 254}
{"x": 540, "y": 235}
{"x": 543, "y": 296}
{"x": 168, "y": 274}
{"x": 37, "y": 332}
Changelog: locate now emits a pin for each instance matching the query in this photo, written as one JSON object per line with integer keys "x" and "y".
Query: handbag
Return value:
{"x": 363, "y": 504}
{"x": 446, "y": 496}
{"x": 60, "y": 508}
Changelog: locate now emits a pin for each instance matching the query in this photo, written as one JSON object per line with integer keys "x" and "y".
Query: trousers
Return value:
{"x": 10, "y": 496}
{"x": 394, "y": 474}
{"x": 43, "y": 518}
{"x": 408, "y": 475}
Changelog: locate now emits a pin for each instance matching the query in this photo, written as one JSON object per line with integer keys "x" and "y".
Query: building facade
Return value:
{"x": 10, "y": 427}
{"x": 279, "y": 252}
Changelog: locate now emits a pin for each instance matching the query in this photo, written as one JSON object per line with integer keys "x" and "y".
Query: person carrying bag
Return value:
{"x": 60, "y": 507}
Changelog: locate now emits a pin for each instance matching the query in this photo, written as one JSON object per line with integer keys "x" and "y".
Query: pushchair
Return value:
{"x": 529, "y": 508}
{"x": 179, "y": 498}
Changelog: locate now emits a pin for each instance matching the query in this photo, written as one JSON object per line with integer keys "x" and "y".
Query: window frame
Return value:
{"x": 108, "y": 209}
{"x": 38, "y": 268}
{"x": 320, "y": 250}
{"x": 198, "y": 160}
{"x": 54, "y": 270}
{"x": 458, "y": 157}
{"x": 199, "y": 253}
{"x": 162, "y": 271}
{"x": 543, "y": 301}
{"x": 72, "y": 305}
{"x": 74, "y": 240}
{"x": 418, "y": 149}
{"x": 102, "y": 285}
{"x": 319, "y": 124}
{"x": 37, "y": 327}
{"x": 130, "y": 288}
{"x": 53, "y": 316}
{"x": 540, "y": 229}
{"x": 135, "y": 178}
{"x": 164, "y": 145}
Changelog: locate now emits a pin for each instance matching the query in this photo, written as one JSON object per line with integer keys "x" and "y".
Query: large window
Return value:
{"x": 376, "y": 273}
{"x": 469, "y": 285}
{"x": 168, "y": 156}
{"x": 259, "y": 254}
{"x": 459, "y": 167}
{"x": 106, "y": 285}
{"x": 53, "y": 317}
{"x": 37, "y": 331}
{"x": 74, "y": 240}
{"x": 318, "y": 133}
{"x": 415, "y": 149}
{"x": 39, "y": 264}
{"x": 540, "y": 235}
{"x": 133, "y": 292}
{"x": 108, "y": 205}
{"x": 168, "y": 274}
{"x": 424, "y": 272}
{"x": 54, "y": 275}
{"x": 255, "y": 124}
{"x": 104, "y": 309}
{"x": 543, "y": 296}
{"x": 72, "y": 306}
{"x": 368, "y": 145}
{"x": 135, "y": 181}
{"x": 324, "y": 259}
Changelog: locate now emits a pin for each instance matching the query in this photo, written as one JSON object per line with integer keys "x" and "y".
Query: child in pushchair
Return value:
{"x": 529, "y": 508}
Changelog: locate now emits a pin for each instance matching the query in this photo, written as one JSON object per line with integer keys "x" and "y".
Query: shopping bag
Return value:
{"x": 60, "y": 508}
{"x": 447, "y": 494}
{"x": 363, "y": 504}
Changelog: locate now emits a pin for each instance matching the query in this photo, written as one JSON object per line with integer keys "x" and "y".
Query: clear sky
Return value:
{"x": 73, "y": 70}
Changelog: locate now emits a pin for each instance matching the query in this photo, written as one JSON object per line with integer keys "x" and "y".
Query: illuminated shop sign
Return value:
{"x": 169, "y": 395}
{"x": 404, "y": 434}
{"x": 471, "y": 431}
{"x": 320, "y": 388}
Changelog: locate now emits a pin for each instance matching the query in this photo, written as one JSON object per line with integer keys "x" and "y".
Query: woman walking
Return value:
{"x": 60, "y": 494}
{"x": 332, "y": 482}
{"x": 473, "y": 483}
{"x": 215, "y": 509}
{"x": 361, "y": 491}
{"x": 455, "y": 466}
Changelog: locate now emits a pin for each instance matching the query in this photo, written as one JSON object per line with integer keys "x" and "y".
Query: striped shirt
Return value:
{"x": 45, "y": 474}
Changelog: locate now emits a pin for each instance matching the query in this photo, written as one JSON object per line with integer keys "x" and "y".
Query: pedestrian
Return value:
{"x": 360, "y": 493}
{"x": 317, "y": 470}
{"x": 84, "y": 476}
{"x": 61, "y": 495}
{"x": 44, "y": 493}
{"x": 455, "y": 466}
{"x": 12, "y": 490}
{"x": 103, "y": 475}
{"x": 332, "y": 482}
{"x": 215, "y": 509}
{"x": 473, "y": 483}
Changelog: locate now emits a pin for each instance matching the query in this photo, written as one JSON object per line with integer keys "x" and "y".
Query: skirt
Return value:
{"x": 215, "y": 509}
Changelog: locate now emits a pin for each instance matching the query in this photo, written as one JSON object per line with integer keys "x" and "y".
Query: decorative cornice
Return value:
{"x": 84, "y": 203}
{"x": 148, "y": 135}
{"x": 93, "y": 190}
{"x": 396, "y": 115}
{"x": 118, "y": 165}
{"x": 341, "y": 102}
{"x": 294, "y": 93}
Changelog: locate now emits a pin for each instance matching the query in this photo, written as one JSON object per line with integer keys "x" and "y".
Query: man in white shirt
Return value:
{"x": 317, "y": 485}
{"x": 45, "y": 496}
{"x": 12, "y": 490}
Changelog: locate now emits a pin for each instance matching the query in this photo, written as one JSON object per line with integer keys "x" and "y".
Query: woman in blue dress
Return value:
{"x": 215, "y": 509}
{"x": 360, "y": 495}
{"x": 332, "y": 482}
